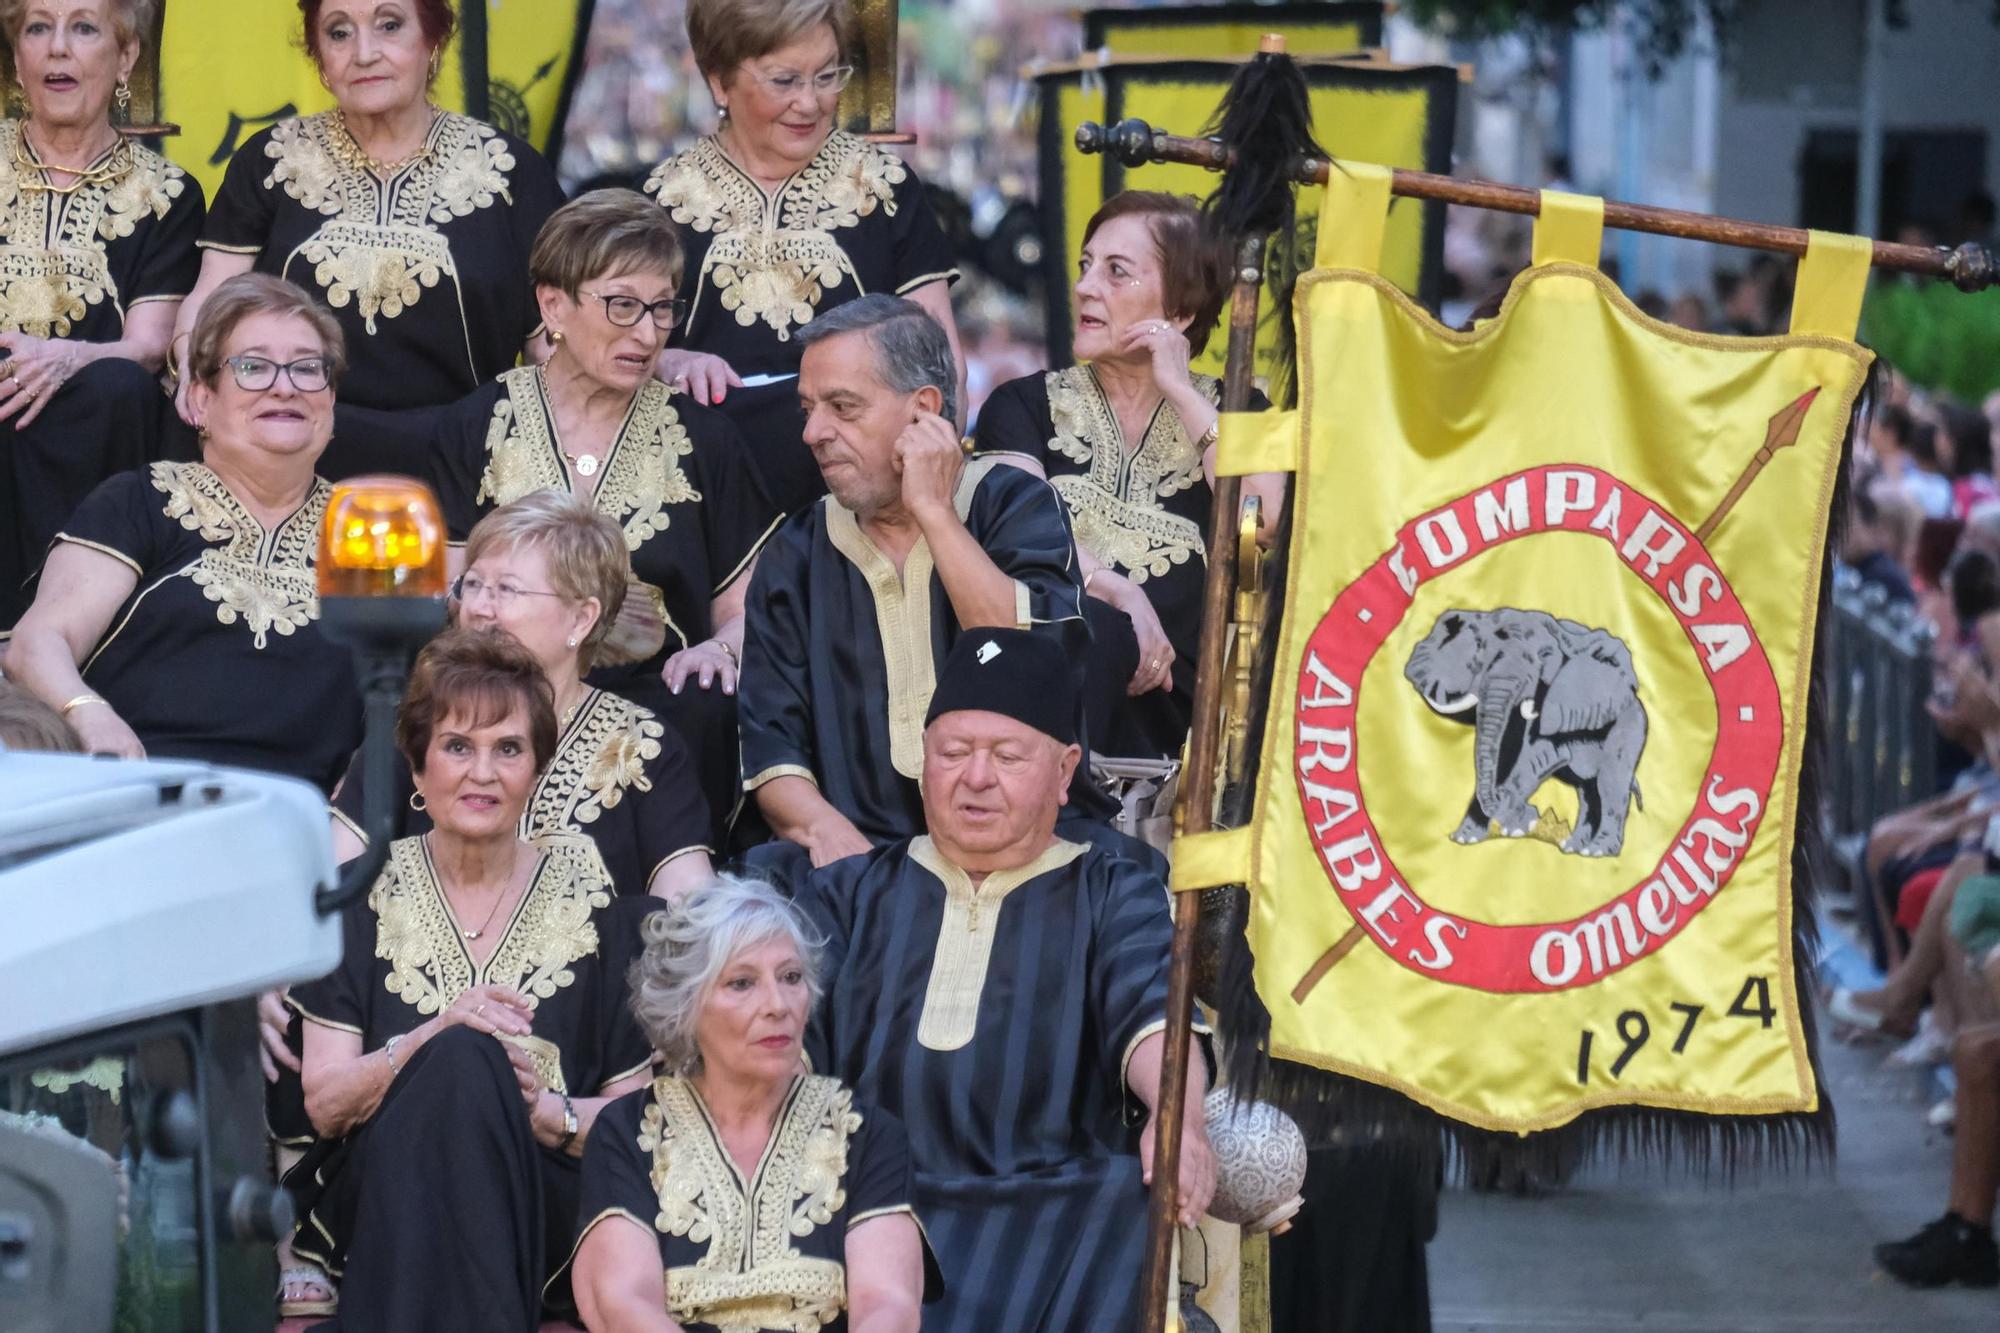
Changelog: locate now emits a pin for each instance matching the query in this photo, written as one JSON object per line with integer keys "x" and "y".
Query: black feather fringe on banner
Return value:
{"x": 1265, "y": 118}
{"x": 1332, "y": 1107}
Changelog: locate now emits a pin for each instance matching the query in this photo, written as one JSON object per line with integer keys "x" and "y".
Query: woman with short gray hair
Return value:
{"x": 738, "y": 1183}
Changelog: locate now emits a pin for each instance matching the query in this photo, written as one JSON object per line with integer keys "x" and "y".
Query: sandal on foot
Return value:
{"x": 312, "y": 1278}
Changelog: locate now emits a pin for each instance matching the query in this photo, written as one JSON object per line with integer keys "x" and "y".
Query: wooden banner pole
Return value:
{"x": 1194, "y": 810}
{"x": 1970, "y": 267}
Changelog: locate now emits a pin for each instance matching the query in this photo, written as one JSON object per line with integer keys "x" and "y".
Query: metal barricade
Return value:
{"x": 1881, "y": 743}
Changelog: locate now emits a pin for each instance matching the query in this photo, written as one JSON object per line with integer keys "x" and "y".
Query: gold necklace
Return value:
{"x": 586, "y": 465}
{"x": 492, "y": 911}
{"x": 350, "y": 150}
{"x": 33, "y": 171}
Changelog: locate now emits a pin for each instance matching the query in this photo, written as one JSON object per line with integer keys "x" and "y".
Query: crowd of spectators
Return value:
{"x": 1923, "y": 533}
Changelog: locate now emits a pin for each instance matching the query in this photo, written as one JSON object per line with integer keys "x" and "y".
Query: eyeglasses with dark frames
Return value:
{"x": 625, "y": 311}
{"x": 308, "y": 374}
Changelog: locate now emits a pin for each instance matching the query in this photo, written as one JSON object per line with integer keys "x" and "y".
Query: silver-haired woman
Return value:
{"x": 738, "y": 1191}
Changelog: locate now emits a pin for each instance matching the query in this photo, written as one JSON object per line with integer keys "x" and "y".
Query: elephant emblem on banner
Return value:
{"x": 1545, "y": 698}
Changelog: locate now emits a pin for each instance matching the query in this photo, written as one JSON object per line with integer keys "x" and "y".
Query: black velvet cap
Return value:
{"x": 1013, "y": 672}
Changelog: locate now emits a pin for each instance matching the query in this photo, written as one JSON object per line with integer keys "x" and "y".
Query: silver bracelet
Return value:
{"x": 389, "y": 1054}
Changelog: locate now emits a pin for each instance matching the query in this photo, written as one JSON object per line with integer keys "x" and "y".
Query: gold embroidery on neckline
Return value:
{"x": 774, "y": 256}
{"x": 380, "y": 247}
{"x": 52, "y": 261}
{"x": 1115, "y": 504}
{"x": 602, "y": 754}
{"x": 971, "y": 921}
{"x": 550, "y": 929}
{"x": 642, "y": 478}
{"x": 752, "y": 1276}
{"x": 266, "y": 580}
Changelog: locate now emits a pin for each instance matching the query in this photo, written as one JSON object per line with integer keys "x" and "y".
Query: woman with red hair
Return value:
{"x": 412, "y": 223}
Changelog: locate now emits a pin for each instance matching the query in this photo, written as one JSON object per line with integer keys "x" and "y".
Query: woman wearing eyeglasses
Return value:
{"x": 674, "y": 475}
{"x": 410, "y": 222}
{"x": 177, "y": 615}
{"x": 783, "y": 215}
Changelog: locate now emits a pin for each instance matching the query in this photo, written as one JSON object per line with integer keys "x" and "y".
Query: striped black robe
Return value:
{"x": 997, "y": 1025}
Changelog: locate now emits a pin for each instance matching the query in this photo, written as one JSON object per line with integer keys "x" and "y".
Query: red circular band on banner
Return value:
{"x": 1727, "y": 808}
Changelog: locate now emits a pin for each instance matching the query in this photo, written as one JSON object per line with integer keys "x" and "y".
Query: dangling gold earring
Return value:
{"x": 417, "y": 802}
{"x": 437, "y": 62}
{"x": 121, "y": 96}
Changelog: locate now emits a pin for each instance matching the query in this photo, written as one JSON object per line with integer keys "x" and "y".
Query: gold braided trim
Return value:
{"x": 265, "y": 580}
{"x": 965, "y": 937}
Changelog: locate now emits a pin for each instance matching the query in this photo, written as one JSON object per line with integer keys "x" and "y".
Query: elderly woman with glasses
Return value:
{"x": 411, "y": 222}
{"x": 457, "y": 1060}
{"x": 737, "y": 1191}
{"x": 99, "y": 234}
{"x": 552, "y": 572}
{"x": 783, "y": 215}
{"x": 177, "y": 615}
{"x": 673, "y": 474}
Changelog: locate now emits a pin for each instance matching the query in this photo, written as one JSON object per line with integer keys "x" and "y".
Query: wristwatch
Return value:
{"x": 570, "y": 1125}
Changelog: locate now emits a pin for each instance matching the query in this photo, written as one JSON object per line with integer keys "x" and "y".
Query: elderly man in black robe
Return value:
{"x": 1002, "y": 991}
{"x": 857, "y": 599}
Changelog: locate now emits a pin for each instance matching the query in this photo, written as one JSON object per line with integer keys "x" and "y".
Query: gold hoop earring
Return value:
{"x": 417, "y": 802}
{"x": 121, "y": 96}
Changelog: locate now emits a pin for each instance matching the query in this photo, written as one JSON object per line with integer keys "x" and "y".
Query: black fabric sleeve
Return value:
{"x": 826, "y": 897}
{"x": 616, "y": 1172}
{"x": 737, "y": 516}
{"x": 537, "y": 193}
{"x": 1132, "y": 936}
{"x": 923, "y": 255}
{"x": 1021, "y": 523}
{"x": 624, "y": 1048}
{"x": 1008, "y": 422}
{"x": 672, "y": 818}
{"x": 121, "y": 519}
{"x": 774, "y": 691}
{"x": 880, "y": 1175}
{"x": 240, "y": 219}
{"x": 169, "y": 263}
{"x": 455, "y": 462}
{"x": 340, "y": 998}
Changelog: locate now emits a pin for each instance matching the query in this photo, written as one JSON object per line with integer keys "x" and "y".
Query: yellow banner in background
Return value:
{"x": 1524, "y": 835}
{"x": 1233, "y": 29}
{"x": 229, "y": 69}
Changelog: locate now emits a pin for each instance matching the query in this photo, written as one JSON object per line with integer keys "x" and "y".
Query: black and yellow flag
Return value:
{"x": 1526, "y": 838}
{"x": 228, "y": 69}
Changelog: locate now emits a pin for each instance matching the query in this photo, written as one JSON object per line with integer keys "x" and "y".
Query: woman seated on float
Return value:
{"x": 737, "y": 1191}
{"x": 456, "y": 1061}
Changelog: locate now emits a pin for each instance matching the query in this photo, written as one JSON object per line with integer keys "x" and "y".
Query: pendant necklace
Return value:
{"x": 586, "y": 465}
{"x": 491, "y": 912}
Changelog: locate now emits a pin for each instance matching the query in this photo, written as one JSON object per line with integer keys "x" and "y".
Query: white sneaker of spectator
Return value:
{"x": 1931, "y": 1045}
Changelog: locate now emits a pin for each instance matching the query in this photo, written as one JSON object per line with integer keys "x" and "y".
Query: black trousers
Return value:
{"x": 441, "y": 1214}
{"x": 1353, "y": 1261}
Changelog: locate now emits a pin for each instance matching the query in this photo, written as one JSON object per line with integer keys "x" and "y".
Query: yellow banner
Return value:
{"x": 1214, "y": 30}
{"x": 228, "y": 69}
{"x": 1523, "y": 845}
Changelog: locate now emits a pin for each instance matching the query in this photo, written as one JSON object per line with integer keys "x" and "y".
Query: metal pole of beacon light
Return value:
{"x": 1194, "y": 811}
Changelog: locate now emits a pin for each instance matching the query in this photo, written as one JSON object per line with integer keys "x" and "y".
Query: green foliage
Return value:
{"x": 1939, "y": 337}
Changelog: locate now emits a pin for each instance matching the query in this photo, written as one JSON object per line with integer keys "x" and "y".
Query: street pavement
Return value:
{"x": 1633, "y": 1249}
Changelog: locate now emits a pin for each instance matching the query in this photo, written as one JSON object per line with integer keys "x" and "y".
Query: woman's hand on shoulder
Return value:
{"x": 707, "y": 378}
{"x": 711, "y": 662}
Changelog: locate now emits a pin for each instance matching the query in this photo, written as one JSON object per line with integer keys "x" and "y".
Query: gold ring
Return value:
{"x": 7, "y": 370}
{"x": 479, "y": 1008}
